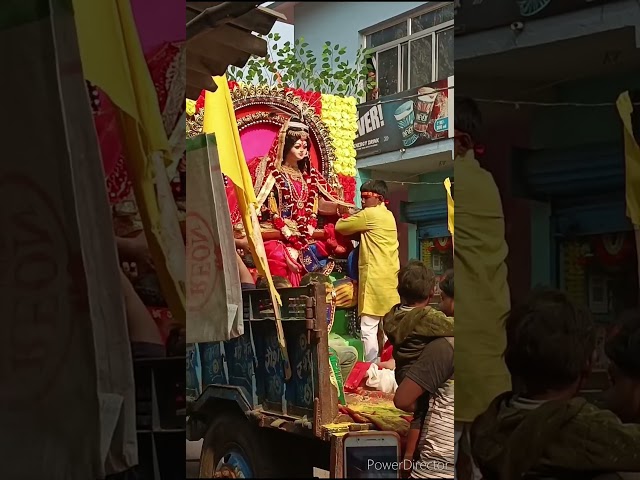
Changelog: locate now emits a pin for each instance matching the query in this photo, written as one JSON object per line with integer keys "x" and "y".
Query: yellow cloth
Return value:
{"x": 379, "y": 262}
{"x": 481, "y": 276}
{"x": 450, "y": 210}
{"x": 220, "y": 117}
{"x": 112, "y": 59}
{"x": 632, "y": 155}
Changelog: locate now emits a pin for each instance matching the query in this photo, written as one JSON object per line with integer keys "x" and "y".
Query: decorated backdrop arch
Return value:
{"x": 262, "y": 110}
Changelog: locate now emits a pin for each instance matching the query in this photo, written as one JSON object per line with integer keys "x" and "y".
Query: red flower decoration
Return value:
{"x": 348, "y": 187}
{"x": 200, "y": 101}
{"x": 232, "y": 85}
{"x": 313, "y": 99}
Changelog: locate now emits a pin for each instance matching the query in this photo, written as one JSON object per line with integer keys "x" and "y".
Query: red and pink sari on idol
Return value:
{"x": 288, "y": 201}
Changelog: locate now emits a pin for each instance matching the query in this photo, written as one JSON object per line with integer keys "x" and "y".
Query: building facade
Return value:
{"x": 558, "y": 159}
{"x": 405, "y": 129}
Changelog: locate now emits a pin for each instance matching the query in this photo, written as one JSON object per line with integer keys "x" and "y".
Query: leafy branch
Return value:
{"x": 297, "y": 66}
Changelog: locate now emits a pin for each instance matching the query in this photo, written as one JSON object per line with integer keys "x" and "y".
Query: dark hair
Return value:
{"x": 550, "y": 340}
{"x": 278, "y": 282}
{"x": 290, "y": 141}
{"x": 624, "y": 348}
{"x": 378, "y": 187}
{"x": 446, "y": 283}
{"x": 468, "y": 118}
{"x": 415, "y": 282}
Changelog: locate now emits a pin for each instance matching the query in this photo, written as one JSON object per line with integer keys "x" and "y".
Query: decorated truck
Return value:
{"x": 269, "y": 400}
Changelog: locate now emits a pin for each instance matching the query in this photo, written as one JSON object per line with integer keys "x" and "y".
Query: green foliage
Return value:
{"x": 299, "y": 67}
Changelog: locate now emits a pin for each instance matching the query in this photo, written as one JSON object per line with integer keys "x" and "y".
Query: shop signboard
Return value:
{"x": 477, "y": 15}
{"x": 405, "y": 120}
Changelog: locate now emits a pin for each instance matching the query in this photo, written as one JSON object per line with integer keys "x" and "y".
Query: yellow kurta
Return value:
{"x": 481, "y": 280}
{"x": 632, "y": 159}
{"x": 379, "y": 259}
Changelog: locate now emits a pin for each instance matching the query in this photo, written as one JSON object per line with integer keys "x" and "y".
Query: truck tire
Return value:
{"x": 233, "y": 448}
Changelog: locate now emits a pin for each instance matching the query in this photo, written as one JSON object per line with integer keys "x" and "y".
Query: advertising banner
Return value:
{"x": 405, "y": 120}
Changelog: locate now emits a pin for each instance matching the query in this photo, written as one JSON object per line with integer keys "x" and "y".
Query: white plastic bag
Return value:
{"x": 383, "y": 380}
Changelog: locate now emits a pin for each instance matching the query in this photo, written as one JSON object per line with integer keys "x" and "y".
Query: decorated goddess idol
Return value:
{"x": 292, "y": 196}
{"x": 299, "y": 151}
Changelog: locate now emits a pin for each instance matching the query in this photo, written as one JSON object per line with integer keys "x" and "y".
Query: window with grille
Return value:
{"x": 415, "y": 51}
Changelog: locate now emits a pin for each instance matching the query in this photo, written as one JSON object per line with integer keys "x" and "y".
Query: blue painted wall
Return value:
{"x": 341, "y": 22}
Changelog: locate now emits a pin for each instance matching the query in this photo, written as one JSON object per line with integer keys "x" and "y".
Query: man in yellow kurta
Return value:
{"x": 630, "y": 114}
{"x": 378, "y": 262}
{"x": 483, "y": 298}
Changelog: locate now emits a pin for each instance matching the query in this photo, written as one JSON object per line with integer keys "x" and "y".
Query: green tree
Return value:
{"x": 297, "y": 66}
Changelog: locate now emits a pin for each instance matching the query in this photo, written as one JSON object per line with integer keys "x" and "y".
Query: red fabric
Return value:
{"x": 387, "y": 352}
{"x": 279, "y": 259}
{"x": 356, "y": 377}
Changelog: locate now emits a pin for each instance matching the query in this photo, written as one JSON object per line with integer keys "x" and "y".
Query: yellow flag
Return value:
{"x": 450, "y": 209}
{"x": 112, "y": 59}
{"x": 220, "y": 117}
{"x": 632, "y": 155}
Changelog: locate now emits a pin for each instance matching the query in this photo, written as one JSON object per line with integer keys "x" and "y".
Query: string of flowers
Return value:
{"x": 341, "y": 117}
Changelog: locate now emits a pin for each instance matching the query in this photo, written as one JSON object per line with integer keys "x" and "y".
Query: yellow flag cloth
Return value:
{"x": 220, "y": 118}
{"x": 450, "y": 210}
{"x": 632, "y": 156}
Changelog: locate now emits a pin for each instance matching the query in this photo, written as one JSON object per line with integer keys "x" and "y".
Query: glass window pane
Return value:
{"x": 389, "y": 34}
{"x": 388, "y": 71}
{"x": 405, "y": 67}
{"x": 432, "y": 18}
{"x": 421, "y": 54}
{"x": 445, "y": 54}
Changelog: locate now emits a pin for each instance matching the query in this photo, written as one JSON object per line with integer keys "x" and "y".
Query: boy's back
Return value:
{"x": 518, "y": 435}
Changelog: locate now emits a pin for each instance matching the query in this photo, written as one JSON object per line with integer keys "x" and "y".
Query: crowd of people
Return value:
{"x": 521, "y": 369}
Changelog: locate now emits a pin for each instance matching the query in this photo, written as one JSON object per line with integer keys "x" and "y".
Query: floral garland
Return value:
{"x": 304, "y": 216}
{"x": 341, "y": 117}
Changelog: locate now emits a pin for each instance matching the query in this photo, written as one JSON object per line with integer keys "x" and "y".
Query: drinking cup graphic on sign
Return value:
{"x": 424, "y": 106}
{"x": 405, "y": 116}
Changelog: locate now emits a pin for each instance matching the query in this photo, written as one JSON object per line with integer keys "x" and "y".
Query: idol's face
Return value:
{"x": 299, "y": 150}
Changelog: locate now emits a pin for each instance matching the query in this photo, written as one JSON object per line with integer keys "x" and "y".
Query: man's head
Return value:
{"x": 446, "y": 293}
{"x": 373, "y": 193}
{"x": 550, "y": 345}
{"x": 415, "y": 284}
{"x": 278, "y": 282}
{"x": 467, "y": 123}
{"x": 623, "y": 350}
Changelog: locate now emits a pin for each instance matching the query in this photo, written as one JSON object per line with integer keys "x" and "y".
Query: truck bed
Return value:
{"x": 307, "y": 402}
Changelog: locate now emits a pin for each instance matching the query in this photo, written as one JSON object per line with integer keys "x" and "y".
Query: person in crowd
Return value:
{"x": 446, "y": 293}
{"x": 479, "y": 256}
{"x": 623, "y": 351}
{"x": 543, "y": 429}
{"x": 278, "y": 282}
{"x": 422, "y": 339}
{"x": 378, "y": 262}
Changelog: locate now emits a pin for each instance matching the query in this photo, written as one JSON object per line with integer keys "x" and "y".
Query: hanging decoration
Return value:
{"x": 613, "y": 250}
